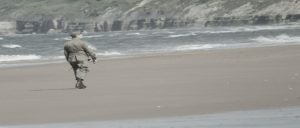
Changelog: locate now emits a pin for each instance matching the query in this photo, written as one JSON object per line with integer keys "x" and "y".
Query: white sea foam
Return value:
{"x": 93, "y": 36}
{"x": 182, "y": 35}
{"x": 64, "y": 39}
{"x": 277, "y": 39}
{"x": 59, "y": 57}
{"x": 259, "y": 28}
{"x": 254, "y": 28}
{"x": 109, "y": 53}
{"x": 134, "y": 34}
{"x": 67, "y": 38}
{"x": 54, "y": 58}
{"x": 92, "y": 47}
{"x": 198, "y": 47}
{"x": 216, "y": 32}
{"x": 247, "y": 29}
{"x": 8, "y": 58}
{"x": 11, "y": 46}
{"x": 163, "y": 32}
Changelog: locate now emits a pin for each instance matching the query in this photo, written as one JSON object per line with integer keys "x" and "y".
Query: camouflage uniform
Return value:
{"x": 77, "y": 54}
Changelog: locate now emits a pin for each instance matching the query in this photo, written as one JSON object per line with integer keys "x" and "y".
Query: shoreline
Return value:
{"x": 194, "y": 83}
{"x": 33, "y": 63}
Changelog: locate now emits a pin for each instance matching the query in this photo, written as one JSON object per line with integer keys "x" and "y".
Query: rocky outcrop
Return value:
{"x": 7, "y": 27}
{"x": 253, "y": 20}
{"x": 46, "y": 16}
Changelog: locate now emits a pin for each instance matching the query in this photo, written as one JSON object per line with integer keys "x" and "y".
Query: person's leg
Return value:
{"x": 81, "y": 73}
{"x": 75, "y": 68}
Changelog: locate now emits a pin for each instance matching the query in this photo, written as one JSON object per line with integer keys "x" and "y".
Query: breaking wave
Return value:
{"x": 246, "y": 29}
{"x": 8, "y": 58}
{"x": 92, "y": 47}
{"x": 163, "y": 32}
{"x": 134, "y": 34}
{"x": 283, "y": 38}
{"x": 182, "y": 35}
{"x": 198, "y": 47}
{"x": 11, "y": 46}
{"x": 107, "y": 53}
{"x": 259, "y": 28}
{"x": 64, "y": 39}
{"x": 93, "y": 36}
{"x": 52, "y": 57}
{"x": 255, "y": 28}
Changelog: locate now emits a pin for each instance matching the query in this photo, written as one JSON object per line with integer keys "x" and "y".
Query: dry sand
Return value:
{"x": 158, "y": 86}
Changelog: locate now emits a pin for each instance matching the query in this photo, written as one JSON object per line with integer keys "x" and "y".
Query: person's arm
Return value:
{"x": 89, "y": 52}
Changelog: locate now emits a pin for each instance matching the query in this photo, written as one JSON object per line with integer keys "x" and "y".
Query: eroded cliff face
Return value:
{"x": 46, "y": 16}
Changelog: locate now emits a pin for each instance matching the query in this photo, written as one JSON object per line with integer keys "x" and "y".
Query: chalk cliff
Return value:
{"x": 50, "y": 16}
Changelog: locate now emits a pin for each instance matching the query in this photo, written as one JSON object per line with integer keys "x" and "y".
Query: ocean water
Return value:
{"x": 268, "y": 118}
{"x": 31, "y": 49}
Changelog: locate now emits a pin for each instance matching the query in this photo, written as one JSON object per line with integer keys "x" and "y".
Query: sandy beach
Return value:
{"x": 183, "y": 84}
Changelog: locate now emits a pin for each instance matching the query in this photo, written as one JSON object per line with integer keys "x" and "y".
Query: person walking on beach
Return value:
{"x": 77, "y": 53}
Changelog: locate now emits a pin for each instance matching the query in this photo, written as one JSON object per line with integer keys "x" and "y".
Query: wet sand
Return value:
{"x": 265, "y": 118}
{"x": 196, "y": 83}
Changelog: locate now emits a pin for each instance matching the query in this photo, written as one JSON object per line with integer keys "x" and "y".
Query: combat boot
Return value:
{"x": 80, "y": 84}
{"x": 77, "y": 85}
